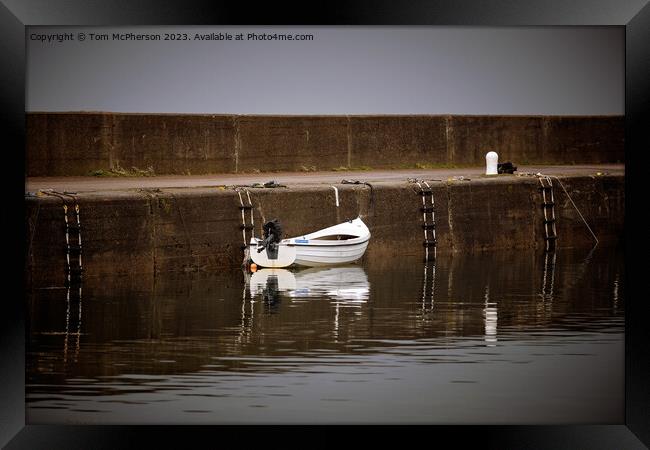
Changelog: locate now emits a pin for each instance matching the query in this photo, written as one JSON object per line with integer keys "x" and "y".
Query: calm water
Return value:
{"x": 505, "y": 337}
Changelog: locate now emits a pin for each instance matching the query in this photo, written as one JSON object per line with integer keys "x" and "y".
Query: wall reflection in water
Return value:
{"x": 188, "y": 323}
{"x": 459, "y": 296}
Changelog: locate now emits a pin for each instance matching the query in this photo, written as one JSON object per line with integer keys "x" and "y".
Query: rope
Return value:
{"x": 574, "y": 205}
{"x": 372, "y": 195}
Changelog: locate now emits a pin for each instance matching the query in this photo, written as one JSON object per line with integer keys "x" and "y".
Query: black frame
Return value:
{"x": 13, "y": 432}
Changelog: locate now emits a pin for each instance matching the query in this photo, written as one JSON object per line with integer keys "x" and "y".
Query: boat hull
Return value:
{"x": 340, "y": 244}
{"x": 322, "y": 255}
{"x": 285, "y": 257}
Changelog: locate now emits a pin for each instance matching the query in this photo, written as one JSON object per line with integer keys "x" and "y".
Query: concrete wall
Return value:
{"x": 194, "y": 230}
{"x": 78, "y": 143}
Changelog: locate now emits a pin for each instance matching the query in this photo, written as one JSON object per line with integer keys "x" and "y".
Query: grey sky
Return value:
{"x": 343, "y": 70}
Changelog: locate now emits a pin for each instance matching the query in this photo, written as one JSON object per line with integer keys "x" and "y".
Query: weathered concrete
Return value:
{"x": 395, "y": 141}
{"x": 68, "y": 144}
{"x": 173, "y": 143}
{"x": 78, "y": 143}
{"x": 197, "y": 229}
{"x": 517, "y": 139}
{"x": 270, "y": 143}
{"x": 584, "y": 140}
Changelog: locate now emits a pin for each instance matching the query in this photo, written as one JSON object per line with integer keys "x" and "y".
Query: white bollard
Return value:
{"x": 491, "y": 161}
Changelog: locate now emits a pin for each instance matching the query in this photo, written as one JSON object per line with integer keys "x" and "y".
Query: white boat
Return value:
{"x": 338, "y": 244}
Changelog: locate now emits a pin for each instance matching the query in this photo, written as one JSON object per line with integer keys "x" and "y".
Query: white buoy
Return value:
{"x": 491, "y": 161}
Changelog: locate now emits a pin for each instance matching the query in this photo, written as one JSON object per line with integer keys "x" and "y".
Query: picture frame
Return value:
{"x": 634, "y": 433}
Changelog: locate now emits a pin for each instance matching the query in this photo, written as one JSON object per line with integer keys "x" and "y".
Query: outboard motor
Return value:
{"x": 272, "y": 238}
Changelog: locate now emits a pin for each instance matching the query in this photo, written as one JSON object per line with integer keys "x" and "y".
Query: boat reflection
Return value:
{"x": 347, "y": 285}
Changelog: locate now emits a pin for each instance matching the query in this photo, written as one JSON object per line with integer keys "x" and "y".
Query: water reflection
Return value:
{"x": 389, "y": 323}
{"x": 346, "y": 285}
{"x": 73, "y": 299}
{"x": 490, "y": 315}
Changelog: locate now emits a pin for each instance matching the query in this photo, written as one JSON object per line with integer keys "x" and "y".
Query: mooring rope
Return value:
{"x": 367, "y": 184}
{"x": 540, "y": 175}
{"x": 574, "y": 205}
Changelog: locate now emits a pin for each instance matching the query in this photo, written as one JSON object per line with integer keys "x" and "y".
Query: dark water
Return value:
{"x": 505, "y": 337}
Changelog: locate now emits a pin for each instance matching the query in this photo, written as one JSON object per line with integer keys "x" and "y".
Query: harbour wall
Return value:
{"x": 64, "y": 144}
{"x": 198, "y": 229}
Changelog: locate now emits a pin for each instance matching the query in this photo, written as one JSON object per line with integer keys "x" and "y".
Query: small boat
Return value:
{"x": 338, "y": 244}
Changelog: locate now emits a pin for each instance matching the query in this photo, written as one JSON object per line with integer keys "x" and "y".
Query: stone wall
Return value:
{"x": 61, "y": 144}
{"x": 194, "y": 230}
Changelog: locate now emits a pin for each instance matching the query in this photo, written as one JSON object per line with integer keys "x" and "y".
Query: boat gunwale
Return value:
{"x": 331, "y": 243}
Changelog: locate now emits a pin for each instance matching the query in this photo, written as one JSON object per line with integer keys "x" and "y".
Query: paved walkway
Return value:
{"x": 91, "y": 184}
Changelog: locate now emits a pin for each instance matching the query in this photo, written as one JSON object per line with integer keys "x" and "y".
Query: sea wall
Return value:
{"x": 62, "y": 144}
{"x": 197, "y": 229}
